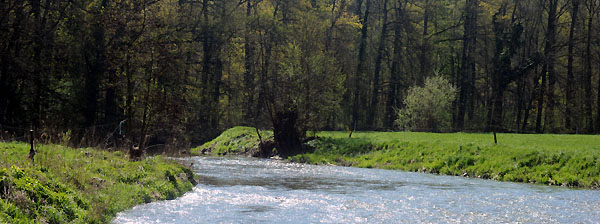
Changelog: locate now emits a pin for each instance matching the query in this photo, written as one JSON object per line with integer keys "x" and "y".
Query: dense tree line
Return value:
{"x": 176, "y": 72}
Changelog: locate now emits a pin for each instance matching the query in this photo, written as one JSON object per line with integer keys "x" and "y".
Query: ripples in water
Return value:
{"x": 244, "y": 190}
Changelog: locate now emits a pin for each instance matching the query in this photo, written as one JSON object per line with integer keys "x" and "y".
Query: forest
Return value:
{"x": 176, "y": 73}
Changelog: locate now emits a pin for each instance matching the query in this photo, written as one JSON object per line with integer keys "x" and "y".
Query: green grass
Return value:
{"x": 563, "y": 160}
{"x": 566, "y": 160}
{"x": 236, "y": 140}
{"x": 67, "y": 185}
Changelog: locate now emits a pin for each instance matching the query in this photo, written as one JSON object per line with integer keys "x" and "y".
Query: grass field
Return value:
{"x": 564, "y": 160}
{"x": 67, "y": 185}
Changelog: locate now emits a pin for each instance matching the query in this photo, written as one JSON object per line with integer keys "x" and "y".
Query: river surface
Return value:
{"x": 246, "y": 190}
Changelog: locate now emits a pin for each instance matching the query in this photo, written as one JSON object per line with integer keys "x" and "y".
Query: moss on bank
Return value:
{"x": 67, "y": 185}
{"x": 563, "y": 160}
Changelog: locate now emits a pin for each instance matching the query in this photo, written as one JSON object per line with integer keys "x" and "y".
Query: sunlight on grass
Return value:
{"x": 567, "y": 160}
{"x": 564, "y": 160}
{"x": 81, "y": 185}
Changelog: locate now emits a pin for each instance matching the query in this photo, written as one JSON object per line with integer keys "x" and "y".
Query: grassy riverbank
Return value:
{"x": 563, "y": 160}
{"x": 81, "y": 185}
{"x": 237, "y": 141}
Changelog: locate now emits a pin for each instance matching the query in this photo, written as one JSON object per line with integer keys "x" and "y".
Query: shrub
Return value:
{"x": 427, "y": 108}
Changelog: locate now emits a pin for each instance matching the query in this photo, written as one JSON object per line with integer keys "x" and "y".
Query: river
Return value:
{"x": 247, "y": 190}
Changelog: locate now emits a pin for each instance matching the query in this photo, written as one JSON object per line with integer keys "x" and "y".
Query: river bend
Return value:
{"x": 247, "y": 190}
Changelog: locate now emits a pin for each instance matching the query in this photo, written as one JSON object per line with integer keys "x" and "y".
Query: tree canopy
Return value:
{"x": 176, "y": 72}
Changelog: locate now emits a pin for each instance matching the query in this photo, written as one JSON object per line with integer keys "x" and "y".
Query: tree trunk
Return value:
{"x": 598, "y": 94}
{"x": 424, "y": 53}
{"x": 598, "y": 107}
{"x": 548, "y": 73}
{"x": 96, "y": 61}
{"x": 212, "y": 68}
{"x": 329, "y": 37}
{"x": 358, "y": 9}
{"x": 587, "y": 110}
{"x": 129, "y": 106}
{"x": 550, "y": 55}
{"x": 467, "y": 61}
{"x": 249, "y": 71}
{"x": 497, "y": 102}
{"x": 378, "y": 62}
{"x": 540, "y": 107}
{"x": 215, "y": 94}
{"x": 530, "y": 103}
{"x": 470, "y": 111}
{"x": 7, "y": 76}
{"x": 111, "y": 113}
{"x": 360, "y": 71}
{"x": 520, "y": 98}
{"x": 146, "y": 112}
{"x": 569, "y": 91}
{"x": 288, "y": 138}
{"x": 37, "y": 71}
{"x": 393, "y": 98}
{"x": 267, "y": 45}
{"x": 260, "y": 101}
{"x": 523, "y": 127}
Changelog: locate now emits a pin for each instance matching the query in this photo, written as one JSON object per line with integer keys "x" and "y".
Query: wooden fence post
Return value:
{"x": 31, "y": 150}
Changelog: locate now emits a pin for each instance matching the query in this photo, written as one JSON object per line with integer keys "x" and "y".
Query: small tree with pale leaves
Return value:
{"x": 428, "y": 108}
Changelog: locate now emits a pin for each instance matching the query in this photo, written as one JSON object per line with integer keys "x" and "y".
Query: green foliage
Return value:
{"x": 180, "y": 73}
{"x": 32, "y": 193}
{"x": 428, "y": 108}
{"x": 307, "y": 79}
{"x": 81, "y": 185}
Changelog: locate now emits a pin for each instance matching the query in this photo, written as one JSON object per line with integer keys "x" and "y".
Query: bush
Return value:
{"x": 428, "y": 108}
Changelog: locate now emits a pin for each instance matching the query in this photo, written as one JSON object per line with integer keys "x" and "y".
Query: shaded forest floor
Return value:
{"x": 67, "y": 185}
{"x": 562, "y": 160}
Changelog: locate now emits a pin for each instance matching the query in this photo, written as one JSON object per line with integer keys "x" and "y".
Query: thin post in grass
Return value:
{"x": 31, "y": 150}
{"x": 495, "y": 139}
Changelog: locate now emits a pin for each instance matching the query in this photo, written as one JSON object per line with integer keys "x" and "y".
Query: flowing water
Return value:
{"x": 245, "y": 190}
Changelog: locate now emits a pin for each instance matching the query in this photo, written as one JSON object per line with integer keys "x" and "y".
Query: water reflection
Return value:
{"x": 233, "y": 190}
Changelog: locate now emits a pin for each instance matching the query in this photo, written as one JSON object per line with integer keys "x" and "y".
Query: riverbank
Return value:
{"x": 234, "y": 141}
{"x": 67, "y": 185}
{"x": 562, "y": 160}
